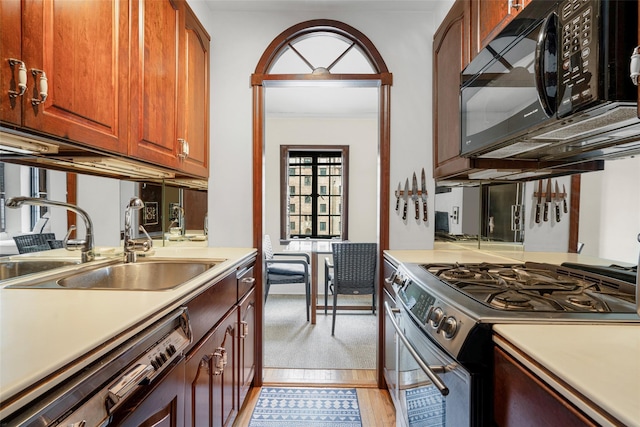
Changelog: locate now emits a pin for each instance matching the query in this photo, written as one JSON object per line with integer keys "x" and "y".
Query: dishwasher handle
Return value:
{"x": 440, "y": 385}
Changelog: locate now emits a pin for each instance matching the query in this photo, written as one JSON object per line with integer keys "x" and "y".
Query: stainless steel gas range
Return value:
{"x": 442, "y": 325}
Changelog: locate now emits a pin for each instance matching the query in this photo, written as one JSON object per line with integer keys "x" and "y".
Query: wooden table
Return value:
{"x": 315, "y": 248}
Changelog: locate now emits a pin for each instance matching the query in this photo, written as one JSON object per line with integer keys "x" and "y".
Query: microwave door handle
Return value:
{"x": 548, "y": 31}
{"x": 442, "y": 388}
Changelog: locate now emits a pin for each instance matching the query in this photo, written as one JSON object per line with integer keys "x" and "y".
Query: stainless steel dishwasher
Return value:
{"x": 139, "y": 383}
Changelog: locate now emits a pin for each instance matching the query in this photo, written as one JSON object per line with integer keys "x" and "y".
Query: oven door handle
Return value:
{"x": 442, "y": 388}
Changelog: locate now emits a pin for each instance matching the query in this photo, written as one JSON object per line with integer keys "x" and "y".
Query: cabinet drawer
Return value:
{"x": 208, "y": 308}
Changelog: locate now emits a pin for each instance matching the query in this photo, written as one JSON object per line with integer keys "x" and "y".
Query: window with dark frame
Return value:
{"x": 315, "y": 183}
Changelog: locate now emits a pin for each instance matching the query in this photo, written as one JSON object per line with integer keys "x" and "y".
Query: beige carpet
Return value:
{"x": 292, "y": 342}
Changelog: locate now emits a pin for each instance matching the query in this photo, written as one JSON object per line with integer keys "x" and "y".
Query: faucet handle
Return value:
{"x": 148, "y": 244}
{"x": 70, "y": 245}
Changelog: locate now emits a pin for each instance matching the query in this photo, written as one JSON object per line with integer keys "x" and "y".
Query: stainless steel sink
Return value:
{"x": 13, "y": 268}
{"x": 139, "y": 276}
{"x": 159, "y": 275}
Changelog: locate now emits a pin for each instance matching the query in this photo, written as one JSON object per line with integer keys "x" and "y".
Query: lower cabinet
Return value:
{"x": 211, "y": 391}
{"x": 246, "y": 345}
{"x": 220, "y": 366}
{"x": 520, "y": 397}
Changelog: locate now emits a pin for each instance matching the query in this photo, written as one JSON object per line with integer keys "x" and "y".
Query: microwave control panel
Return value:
{"x": 578, "y": 74}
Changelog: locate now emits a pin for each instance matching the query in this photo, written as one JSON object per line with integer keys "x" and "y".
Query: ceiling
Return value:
{"x": 328, "y": 5}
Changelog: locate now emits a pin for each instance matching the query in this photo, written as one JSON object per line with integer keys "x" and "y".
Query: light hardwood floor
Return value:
{"x": 376, "y": 408}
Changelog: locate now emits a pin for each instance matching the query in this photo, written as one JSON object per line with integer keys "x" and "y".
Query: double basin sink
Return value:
{"x": 151, "y": 275}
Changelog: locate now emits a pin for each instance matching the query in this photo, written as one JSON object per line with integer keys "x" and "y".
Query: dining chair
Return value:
{"x": 354, "y": 273}
{"x": 27, "y": 243}
{"x": 286, "y": 268}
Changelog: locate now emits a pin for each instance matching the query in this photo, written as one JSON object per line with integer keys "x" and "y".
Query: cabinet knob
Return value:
{"x": 22, "y": 78}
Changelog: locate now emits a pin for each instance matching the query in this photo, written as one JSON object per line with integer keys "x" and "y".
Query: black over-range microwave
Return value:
{"x": 554, "y": 84}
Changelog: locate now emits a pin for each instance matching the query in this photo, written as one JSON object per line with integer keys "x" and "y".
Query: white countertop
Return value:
{"x": 599, "y": 362}
{"x": 43, "y": 330}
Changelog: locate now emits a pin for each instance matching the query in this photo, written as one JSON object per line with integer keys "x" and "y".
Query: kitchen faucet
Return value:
{"x": 133, "y": 246}
{"x": 86, "y": 245}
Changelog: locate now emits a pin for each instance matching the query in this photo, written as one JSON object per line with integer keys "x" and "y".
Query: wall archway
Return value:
{"x": 263, "y": 77}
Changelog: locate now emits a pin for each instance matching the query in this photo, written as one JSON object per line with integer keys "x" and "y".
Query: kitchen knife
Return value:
{"x": 547, "y": 202}
{"x": 398, "y": 197}
{"x": 405, "y": 196}
{"x": 564, "y": 200}
{"x": 414, "y": 195}
{"x": 557, "y": 202}
{"x": 424, "y": 196}
{"x": 539, "y": 205}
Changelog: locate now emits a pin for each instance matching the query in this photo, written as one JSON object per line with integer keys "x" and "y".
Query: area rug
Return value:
{"x": 313, "y": 407}
{"x": 292, "y": 342}
{"x": 425, "y": 407}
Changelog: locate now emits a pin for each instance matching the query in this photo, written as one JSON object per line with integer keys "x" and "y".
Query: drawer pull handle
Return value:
{"x": 43, "y": 86}
{"x": 22, "y": 78}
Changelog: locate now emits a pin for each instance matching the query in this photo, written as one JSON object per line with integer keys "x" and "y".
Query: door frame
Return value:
{"x": 382, "y": 79}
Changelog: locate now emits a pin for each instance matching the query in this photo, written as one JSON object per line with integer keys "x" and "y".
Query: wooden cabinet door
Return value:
{"x": 156, "y": 40}
{"x": 210, "y": 398}
{"x": 520, "y": 397}
{"x": 490, "y": 17}
{"x": 77, "y": 53}
{"x": 246, "y": 345}
{"x": 10, "y": 48}
{"x": 451, "y": 46}
{"x": 194, "y": 99}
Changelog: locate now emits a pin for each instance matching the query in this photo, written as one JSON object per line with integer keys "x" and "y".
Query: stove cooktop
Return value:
{"x": 534, "y": 287}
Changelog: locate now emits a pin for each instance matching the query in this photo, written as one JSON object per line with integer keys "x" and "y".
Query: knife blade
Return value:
{"x": 414, "y": 195}
{"x": 405, "y": 196}
{"x": 564, "y": 200}
{"x": 547, "y": 201}
{"x": 424, "y": 196}
{"x": 539, "y": 204}
{"x": 398, "y": 196}
{"x": 557, "y": 202}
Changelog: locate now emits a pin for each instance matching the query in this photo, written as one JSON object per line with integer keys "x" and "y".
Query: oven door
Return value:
{"x": 431, "y": 389}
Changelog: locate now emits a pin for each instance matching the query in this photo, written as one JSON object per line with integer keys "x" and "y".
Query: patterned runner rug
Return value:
{"x": 313, "y": 407}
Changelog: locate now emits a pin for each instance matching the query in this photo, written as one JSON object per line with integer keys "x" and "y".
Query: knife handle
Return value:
{"x": 545, "y": 215}
{"x": 398, "y": 202}
{"x": 538, "y": 209}
{"x": 557, "y": 212}
{"x": 404, "y": 211}
{"x": 424, "y": 210}
{"x": 564, "y": 206}
{"x": 417, "y": 209}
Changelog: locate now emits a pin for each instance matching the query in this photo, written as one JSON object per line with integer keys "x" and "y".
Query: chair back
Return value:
{"x": 267, "y": 249}
{"x": 27, "y": 243}
{"x": 354, "y": 266}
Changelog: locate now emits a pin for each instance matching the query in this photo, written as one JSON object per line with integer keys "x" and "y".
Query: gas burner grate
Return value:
{"x": 529, "y": 287}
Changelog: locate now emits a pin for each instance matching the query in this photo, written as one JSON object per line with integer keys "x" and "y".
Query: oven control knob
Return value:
{"x": 435, "y": 316}
{"x": 449, "y": 327}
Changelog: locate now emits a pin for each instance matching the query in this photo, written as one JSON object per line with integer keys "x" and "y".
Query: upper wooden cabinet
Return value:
{"x": 451, "y": 53}
{"x": 194, "y": 98}
{"x": 489, "y": 17}
{"x": 128, "y": 77}
{"x": 75, "y": 59}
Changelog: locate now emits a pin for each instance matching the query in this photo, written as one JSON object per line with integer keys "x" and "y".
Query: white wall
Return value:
{"x": 361, "y": 135}
{"x": 238, "y": 39}
{"x": 100, "y": 198}
{"x": 610, "y": 211}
